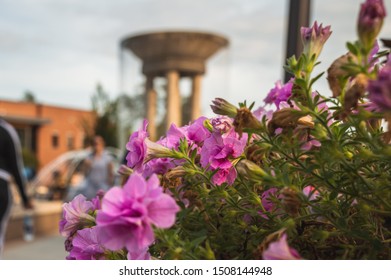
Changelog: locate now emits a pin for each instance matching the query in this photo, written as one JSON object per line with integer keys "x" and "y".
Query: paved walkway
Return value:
{"x": 42, "y": 248}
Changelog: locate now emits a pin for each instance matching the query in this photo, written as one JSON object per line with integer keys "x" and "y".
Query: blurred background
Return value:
{"x": 64, "y": 74}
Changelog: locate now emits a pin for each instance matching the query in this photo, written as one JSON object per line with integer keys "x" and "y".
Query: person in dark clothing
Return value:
{"x": 11, "y": 166}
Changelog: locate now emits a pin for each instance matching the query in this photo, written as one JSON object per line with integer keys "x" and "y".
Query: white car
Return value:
{"x": 64, "y": 175}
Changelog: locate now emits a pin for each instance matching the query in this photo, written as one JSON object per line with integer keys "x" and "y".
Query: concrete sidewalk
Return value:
{"x": 41, "y": 248}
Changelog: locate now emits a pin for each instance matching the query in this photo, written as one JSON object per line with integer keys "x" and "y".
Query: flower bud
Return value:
{"x": 285, "y": 118}
{"x": 155, "y": 150}
{"x": 314, "y": 38}
{"x": 250, "y": 170}
{"x": 370, "y": 21}
{"x": 223, "y": 107}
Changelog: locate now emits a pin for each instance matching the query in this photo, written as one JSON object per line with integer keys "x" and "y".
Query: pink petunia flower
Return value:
{"x": 311, "y": 192}
{"x": 143, "y": 254}
{"x": 280, "y": 250}
{"x": 137, "y": 148}
{"x": 279, "y": 93}
{"x": 128, "y": 213}
{"x": 217, "y": 152}
{"x": 76, "y": 215}
{"x": 86, "y": 245}
{"x": 310, "y": 144}
{"x": 380, "y": 89}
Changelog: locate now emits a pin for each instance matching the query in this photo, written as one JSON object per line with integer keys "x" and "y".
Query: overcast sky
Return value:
{"x": 60, "y": 49}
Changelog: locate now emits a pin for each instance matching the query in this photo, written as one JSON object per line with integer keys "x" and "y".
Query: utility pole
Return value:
{"x": 299, "y": 15}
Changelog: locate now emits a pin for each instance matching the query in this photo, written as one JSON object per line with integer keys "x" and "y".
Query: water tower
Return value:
{"x": 173, "y": 55}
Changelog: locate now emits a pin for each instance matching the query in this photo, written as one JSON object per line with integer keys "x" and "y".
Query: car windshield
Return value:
{"x": 64, "y": 173}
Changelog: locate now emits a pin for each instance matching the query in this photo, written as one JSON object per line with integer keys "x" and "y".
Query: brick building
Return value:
{"x": 48, "y": 131}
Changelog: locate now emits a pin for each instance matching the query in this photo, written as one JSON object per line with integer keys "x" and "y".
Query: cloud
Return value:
{"x": 61, "y": 49}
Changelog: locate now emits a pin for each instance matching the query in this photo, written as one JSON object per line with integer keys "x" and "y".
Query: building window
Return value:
{"x": 70, "y": 142}
{"x": 55, "y": 140}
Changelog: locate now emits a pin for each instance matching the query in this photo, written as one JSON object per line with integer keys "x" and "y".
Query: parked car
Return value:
{"x": 64, "y": 174}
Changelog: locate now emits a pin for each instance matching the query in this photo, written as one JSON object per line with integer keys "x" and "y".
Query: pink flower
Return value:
{"x": 86, "y": 245}
{"x": 310, "y": 144}
{"x": 311, "y": 192}
{"x": 217, "y": 152}
{"x": 77, "y": 214}
{"x": 174, "y": 135}
{"x": 128, "y": 213}
{"x": 143, "y": 254}
{"x": 380, "y": 89}
{"x": 267, "y": 201}
{"x": 197, "y": 132}
{"x": 137, "y": 148}
{"x": 222, "y": 124}
{"x": 279, "y": 93}
{"x": 262, "y": 112}
{"x": 224, "y": 175}
{"x": 280, "y": 250}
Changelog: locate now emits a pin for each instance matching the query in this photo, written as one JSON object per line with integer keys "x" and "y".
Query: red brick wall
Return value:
{"x": 64, "y": 122}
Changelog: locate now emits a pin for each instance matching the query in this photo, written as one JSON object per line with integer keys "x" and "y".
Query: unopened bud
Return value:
{"x": 223, "y": 107}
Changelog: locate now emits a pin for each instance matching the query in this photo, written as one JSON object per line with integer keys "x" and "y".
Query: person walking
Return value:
{"x": 11, "y": 166}
{"x": 98, "y": 169}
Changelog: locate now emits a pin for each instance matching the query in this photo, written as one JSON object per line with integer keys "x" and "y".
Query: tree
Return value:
{"x": 106, "y": 120}
{"x": 29, "y": 96}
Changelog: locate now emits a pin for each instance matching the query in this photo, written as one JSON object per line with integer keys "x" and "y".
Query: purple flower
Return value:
{"x": 311, "y": 192}
{"x": 137, "y": 148}
{"x": 370, "y": 21}
{"x": 310, "y": 144}
{"x": 267, "y": 201}
{"x": 279, "y": 93}
{"x": 217, "y": 152}
{"x": 197, "y": 132}
{"x": 222, "y": 124}
{"x": 174, "y": 135}
{"x": 280, "y": 250}
{"x": 77, "y": 214}
{"x": 158, "y": 166}
{"x": 143, "y": 254}
{"x": 128, "y": 213}
{"x": 224, "y": 175}
{"x": 380, "y": 89}
{"x": 86, "y": 245}
{"x": 96, "y": 201}
{"x": 314, "y": 38}
{"x": 262, "y": 112}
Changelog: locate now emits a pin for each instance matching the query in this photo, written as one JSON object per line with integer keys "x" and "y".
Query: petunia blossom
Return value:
{"x": 380, "y": 89}
{"x": 307, "y": 146}
{"x": 280, "y": 92}
{"x": 128, "y": 213}
{"x": 137, "y": 148}
{"x": 77, "y": 214}
{"x": 86, "y": 245}
{"x": 280, "y": 250}
{"x": 217, "y": 152}
{"x": 143, "y": 254}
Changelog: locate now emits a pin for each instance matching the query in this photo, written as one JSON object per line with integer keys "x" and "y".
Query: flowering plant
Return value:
{"x": 308, "y": 180}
